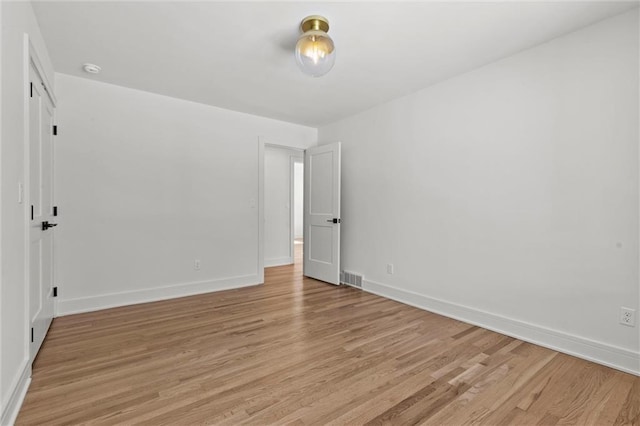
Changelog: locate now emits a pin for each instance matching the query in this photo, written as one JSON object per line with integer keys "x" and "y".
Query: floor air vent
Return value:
{"x": 351, "y": 278}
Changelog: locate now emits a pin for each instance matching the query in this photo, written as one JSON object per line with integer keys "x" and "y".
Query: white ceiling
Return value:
{"x": 239, "y": 55}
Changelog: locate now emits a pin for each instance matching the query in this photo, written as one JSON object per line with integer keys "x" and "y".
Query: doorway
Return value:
{"x": 297, "y": 200}
{"x": 321, "y": 223}
{"x": 283, "y": 205}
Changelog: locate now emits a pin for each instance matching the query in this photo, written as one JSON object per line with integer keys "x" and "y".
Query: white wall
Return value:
{"x": 277, "y": 203}
{"x": 147, "y": 184}
{"x": 508, "y": 196}
{"x": 298, "y": 199}
{"x": 2, "y": 385}
{"x": 17, "y": 20}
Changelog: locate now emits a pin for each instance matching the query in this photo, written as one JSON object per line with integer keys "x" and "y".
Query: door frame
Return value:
{"x": 264, "y": 142}
{"x": 31, "y": 56}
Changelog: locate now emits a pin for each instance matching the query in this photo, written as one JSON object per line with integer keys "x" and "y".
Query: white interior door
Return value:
{"x": 41, "y": 200}
{"x": 322, "y": 213}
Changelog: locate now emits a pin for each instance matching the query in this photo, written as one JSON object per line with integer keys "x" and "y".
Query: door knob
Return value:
{"x": 334, "y": 220}
{"x": 46, "y": 225}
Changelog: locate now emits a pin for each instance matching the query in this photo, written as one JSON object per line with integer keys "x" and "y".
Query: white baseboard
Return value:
{"x": 598, "y": 352}
{"x": 268, "y": 263}
{"x": 18, "y": 391}
{"x": 113, "y": 300}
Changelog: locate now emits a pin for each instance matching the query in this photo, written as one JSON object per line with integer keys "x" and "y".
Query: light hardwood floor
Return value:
{"x": 298, "y": 351}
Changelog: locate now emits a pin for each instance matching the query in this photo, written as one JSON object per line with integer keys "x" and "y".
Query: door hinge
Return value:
{"x": 55, "y": 292}
{"x": 31, "y": 89}
{"x": 55, "y": 211}
{"x": 31, "y": 211}
{"x": 31, "y": 334}
{"x": 55, "y": 130}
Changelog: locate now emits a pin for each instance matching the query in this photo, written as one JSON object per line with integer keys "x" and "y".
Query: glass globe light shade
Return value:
{"x": 315, "y": 53}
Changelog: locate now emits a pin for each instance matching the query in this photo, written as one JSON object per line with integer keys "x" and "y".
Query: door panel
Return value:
{"x": 322, "y": 213}
{"x": 41, "y": 198}
{"x": 321, "y": 250}
{"x": 321, "y": 188}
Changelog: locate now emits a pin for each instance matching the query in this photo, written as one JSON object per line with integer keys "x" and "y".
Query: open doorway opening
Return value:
{"x": 297, "y": 195}
{"x": 283, "y": 205}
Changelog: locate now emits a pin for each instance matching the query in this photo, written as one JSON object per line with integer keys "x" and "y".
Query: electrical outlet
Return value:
{"x": 196, "y": 264}
{"x": 390, "y": 268}
{"x": 628, "y": 316}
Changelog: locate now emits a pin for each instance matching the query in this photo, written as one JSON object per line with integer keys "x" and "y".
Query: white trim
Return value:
{"x": 260, "y": 215}
{"x": 19, "y": 389}
{"x": 26, "y": 181}
{"x": 125, "y": 298}
{"x": 581, "y": 347}
{"x": 268, "y": 263}
{"x": 284, "y": 147}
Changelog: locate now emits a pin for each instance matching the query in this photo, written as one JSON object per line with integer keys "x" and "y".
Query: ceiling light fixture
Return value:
{"x": 91, "y": 68}
{"x": 315, "y": 51}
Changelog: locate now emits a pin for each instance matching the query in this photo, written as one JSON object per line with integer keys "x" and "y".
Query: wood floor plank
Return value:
{"x": 297, "y": 351}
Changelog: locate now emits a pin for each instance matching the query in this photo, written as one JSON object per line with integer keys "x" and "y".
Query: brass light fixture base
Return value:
{"x": 314, "y": 22}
